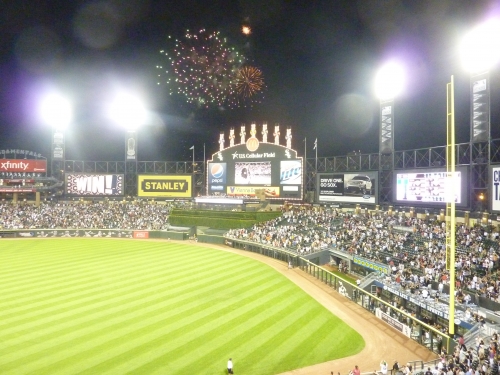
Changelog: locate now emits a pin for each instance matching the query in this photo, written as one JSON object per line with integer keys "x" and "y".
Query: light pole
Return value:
{"x": 56, "y": 111}
{"x": 129, "y": 112}
{"x": 389, "y": 82}
{"x": 479, "y": 52}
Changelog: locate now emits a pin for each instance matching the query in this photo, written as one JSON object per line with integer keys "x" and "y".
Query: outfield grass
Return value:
{"x": 102, "y": 306}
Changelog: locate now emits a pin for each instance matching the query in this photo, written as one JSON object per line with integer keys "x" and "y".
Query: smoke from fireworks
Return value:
{"x": 203, "y": 68}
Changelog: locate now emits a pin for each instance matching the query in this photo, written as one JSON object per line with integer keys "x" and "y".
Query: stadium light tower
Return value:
{"x": 479, "y": 52}
{"x": 56, "y": 111}
{"x": 389, "y": 82}
{"x": 129, "y": 112}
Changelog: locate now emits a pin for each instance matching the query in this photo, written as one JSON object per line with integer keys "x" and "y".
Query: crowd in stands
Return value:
{"x": 481, "y": 358}
{"x": 141, "y": 215}
{"x": 414, "y": 248}
{"x": 302, "y": 231}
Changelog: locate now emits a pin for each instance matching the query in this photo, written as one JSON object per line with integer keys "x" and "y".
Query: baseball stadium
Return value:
{"x": 306, "y": 273}
{"x": 260, "y": 257}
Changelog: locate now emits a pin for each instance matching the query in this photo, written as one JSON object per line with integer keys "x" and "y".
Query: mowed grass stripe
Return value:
{"x": 60, "y": 255}
{"x": 105, "y": 276}
{"x": 98, "y": 275}
{"x": 134, "y": 326}
{"x": 102, "y": 313}
{"x": 139, "y": 329}
{"x": 60, "y": 300}
{"x": 273, "y": 320}
{"x": 73, "y": 261}
{"x": 133, "y": 294}
{"x": 86, "y": 316}
{"x": 186, "y": 334}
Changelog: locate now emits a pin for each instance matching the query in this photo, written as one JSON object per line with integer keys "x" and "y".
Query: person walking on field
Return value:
{"x": 230, "y": 366}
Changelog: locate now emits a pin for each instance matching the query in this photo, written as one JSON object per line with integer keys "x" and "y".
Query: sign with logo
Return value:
{"x": 167, "y": 186}
{"x": 140, "y": 234}
{"x": 94, "y": 184}
{"x": 383, "y": 268}
{"x": 23, "y": 165}
{"x": 217, "y": 173}
{"x": 291, "y": 172}
{"x": 269, "y": 191}
{"x": 495, "y": 188}
{"x": 347, "y": 187}
{"x": 57, "y": 145}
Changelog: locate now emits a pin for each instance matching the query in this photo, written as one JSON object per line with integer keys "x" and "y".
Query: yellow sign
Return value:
{"x": 172, "y": 186}
{"x": 269, "y": 191}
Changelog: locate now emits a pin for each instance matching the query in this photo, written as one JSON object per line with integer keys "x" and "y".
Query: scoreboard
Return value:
{"x": 241, "y": 169}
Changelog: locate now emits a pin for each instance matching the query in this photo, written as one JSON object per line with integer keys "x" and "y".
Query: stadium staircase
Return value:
{"x": 368, "y": 279}
{"x": 472, "y": 334}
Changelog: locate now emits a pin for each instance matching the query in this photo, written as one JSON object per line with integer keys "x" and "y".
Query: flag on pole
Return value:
{"x": 192, "y": 147}
{"x": 315, "y": 144}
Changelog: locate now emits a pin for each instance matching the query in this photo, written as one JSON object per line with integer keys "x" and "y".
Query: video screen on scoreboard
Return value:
{"x": 433, "y": 187}
{"x": 252, "y": 173}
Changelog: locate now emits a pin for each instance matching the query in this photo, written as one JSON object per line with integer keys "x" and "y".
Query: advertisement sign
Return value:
{"x": 17, "y": 189}
{"x": 403, "y": 328}
{"x": 495, "y": 188}
{"x": 140, "y": 234}
{"x": 347, "y": 187}
{"x": 269, "y": 191}
{"x": 379, "y": 267}
{"x": 291, "y": 172}
{"x": 344, "y": 288}
{"x": 217, "y": 173}
{"x": 23, "y": 165}
{"x": 94, "y": 184}
{"x": 57, "y": 145}
{"x": 431, "y": 187}
{"x": 166, "y": 186}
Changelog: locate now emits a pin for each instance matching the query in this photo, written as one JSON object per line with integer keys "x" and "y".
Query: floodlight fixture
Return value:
{"x": 56, "y": 111}
{"x": 480, "y": 47}
{"x": 128, "y": 111}
{"x": 390, "y": 80}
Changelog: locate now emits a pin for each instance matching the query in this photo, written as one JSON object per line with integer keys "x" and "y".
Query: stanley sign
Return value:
{"x": 172, "y": 186}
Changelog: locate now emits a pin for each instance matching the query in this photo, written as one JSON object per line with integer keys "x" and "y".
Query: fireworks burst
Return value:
{"x": 203, "y": 68}
{"x": 249, "y": 81}
{"x": 246, "y": 30}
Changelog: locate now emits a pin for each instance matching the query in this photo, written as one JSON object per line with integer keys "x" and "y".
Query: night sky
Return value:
{"x": 318, "y": 59}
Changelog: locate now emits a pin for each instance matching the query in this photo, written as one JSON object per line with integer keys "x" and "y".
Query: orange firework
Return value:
{"x": 246, "y": 30}
{"x": 249, "y": 81}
